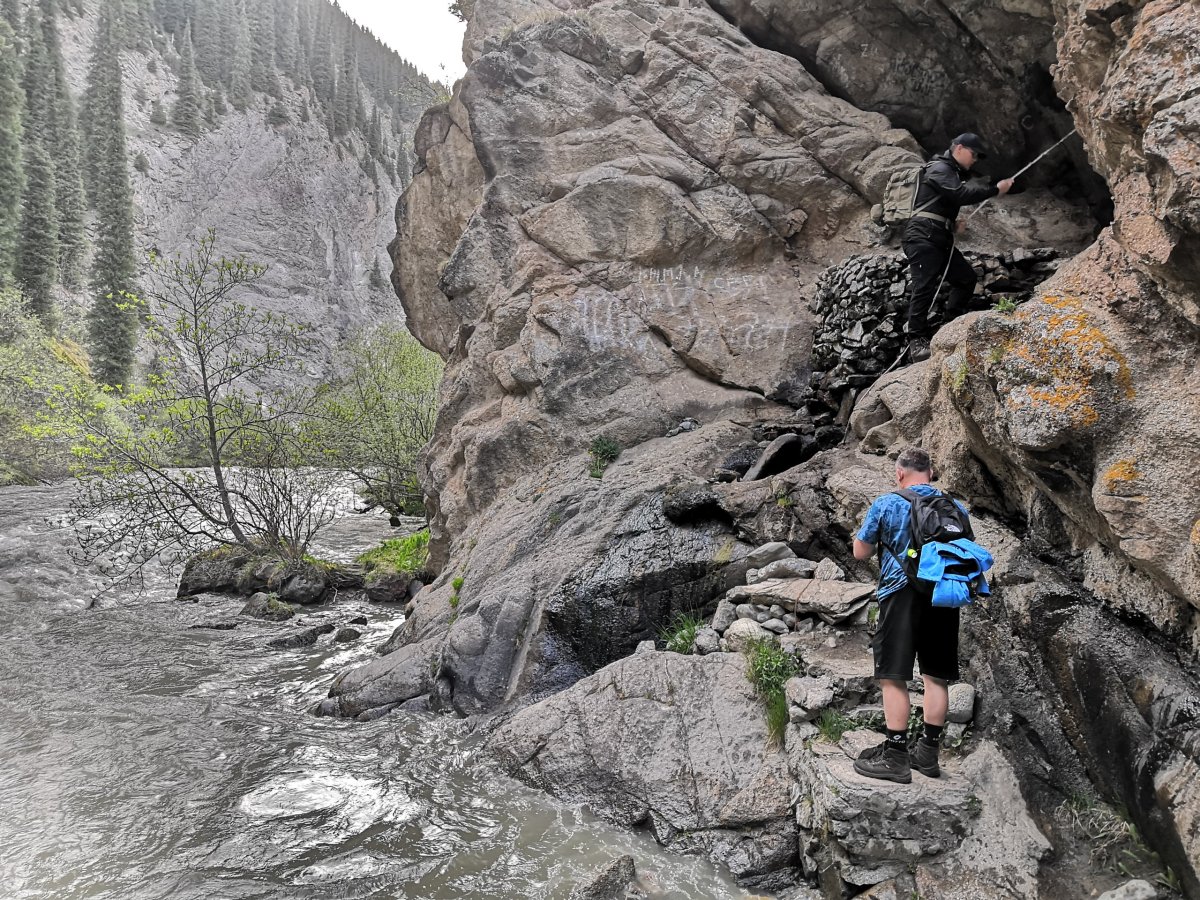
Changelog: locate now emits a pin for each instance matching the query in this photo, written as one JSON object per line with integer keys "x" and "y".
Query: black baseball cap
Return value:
{"x": 971, "y": 141}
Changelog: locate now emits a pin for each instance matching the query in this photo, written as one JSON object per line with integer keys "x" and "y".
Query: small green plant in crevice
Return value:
{"x": 456, "y": 585}
{"x": 769, "y": 670}
{"x": 872, "y": 615}
{"x": 555, "y": 518}
{"x": 996, "y": 354}
{"x": 680, "y": 635}
{"x": 603, "y": 453}
{"x": 1006, "y": 305}
{"x": 782, "y": 498}
{"x": 833, "y": 723}
{"x": 958, "y": 375}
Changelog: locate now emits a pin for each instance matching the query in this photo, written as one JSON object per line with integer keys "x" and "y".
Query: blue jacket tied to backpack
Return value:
{"x": 954, "y": 568}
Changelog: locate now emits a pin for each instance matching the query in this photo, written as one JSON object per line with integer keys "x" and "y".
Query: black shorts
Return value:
{"x": 910, "y": 627}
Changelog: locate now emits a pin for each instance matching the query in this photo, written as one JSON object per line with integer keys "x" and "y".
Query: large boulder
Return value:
{"x": 677, "y": 743}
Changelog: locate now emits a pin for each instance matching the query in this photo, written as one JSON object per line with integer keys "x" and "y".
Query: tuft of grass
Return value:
{"x": 770, "y": 668}
{"x": 777, "y": 717}
{"x": 1006, "y": 305}
{"x": 833, "y": 723}
{"x": 680, "y": 635}
{"x": 407, "y": 555}
{"x": 603, "y": 453}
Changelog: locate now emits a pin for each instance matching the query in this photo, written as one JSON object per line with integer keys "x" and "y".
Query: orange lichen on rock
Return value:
{"x": 1121, "y": 474}
{"x": 1065, "y": 352}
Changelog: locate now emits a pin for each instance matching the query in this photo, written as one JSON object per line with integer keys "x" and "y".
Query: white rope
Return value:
{"x": 1042, "y": 156}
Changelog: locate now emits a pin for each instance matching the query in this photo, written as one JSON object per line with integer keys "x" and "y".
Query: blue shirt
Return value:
{"x": 886, "y": 526}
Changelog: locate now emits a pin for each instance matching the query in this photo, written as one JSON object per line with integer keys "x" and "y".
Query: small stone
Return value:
{"x": 828, "y": 570}
{"x": 725, "y": 616}
{"x": 1131, "y": 890}
{"x": 777, "y": 611}
{"x": 707, "y": 641}
{"x": 831, "y": 642}
{"x": 768, "y": 553}
{"x": 788, "y": 568}
{"x": 962, "y": 703}
{"x": 744, "y": 611}
{"x": 805, "y": 626}
{"x": 745, "y": 632}
{"x": 775, "y": 626}
{"x": 789, "y": 619}
{"x": 754, "y": 576}
{"x": 644, "y": 647}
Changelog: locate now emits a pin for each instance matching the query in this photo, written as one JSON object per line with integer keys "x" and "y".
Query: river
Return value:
{"x": 148, "y": 754}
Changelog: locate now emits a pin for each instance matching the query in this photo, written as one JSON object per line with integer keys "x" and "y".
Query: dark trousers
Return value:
{"x": 926, "y": 263}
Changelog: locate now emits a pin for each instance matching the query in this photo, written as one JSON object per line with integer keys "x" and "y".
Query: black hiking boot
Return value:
{"x": 918, "y": 349}
{"x": 924, "y": 758}
{"x": 884, "y": 762}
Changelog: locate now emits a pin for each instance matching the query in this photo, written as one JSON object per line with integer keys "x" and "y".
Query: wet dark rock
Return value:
{"x": 344, "y": 635}
{"x": 692, "y": 501}
{"x": 216, "y": 626}
{"x": 267, "y": 606}
{"x": 390, "y": 587}
{"x": 741, "y": 459}
{"x": 615, "y": 881}
{"x": 785, "y": 451}
{"x": 306, "y": 638}
{"x": 358, "y": 620}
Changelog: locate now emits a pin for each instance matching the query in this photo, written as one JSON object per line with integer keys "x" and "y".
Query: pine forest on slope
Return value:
{"x": 130, "y": 129}
{"x": 68, "y": 193}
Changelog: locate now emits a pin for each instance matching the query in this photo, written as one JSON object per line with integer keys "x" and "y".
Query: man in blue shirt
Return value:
{"x": 910, "y": 628}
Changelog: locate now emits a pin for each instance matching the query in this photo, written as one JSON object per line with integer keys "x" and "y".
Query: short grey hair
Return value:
{"x": 914, "y": 459}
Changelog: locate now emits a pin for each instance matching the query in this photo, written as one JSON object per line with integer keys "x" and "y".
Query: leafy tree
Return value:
{"x": 379, "y": 414}
{"x": 211, "y": 404}
{"x": 158, "y": 115}
{"x": 278, "y": 114}
{"x": 113, "y": 318}
{"x": 12, "y": 173}
{"x": 262, "y": 48}
{"x": 10, "y": 11}
{"x": 31, "y": 360}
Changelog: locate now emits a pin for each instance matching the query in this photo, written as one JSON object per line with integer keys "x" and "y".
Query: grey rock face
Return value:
{"x": 725, "y": 616}
{"x": 676, "y": 742}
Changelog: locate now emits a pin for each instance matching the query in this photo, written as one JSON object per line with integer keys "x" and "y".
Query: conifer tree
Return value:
{"x": 112, "y": 320}
{"x": 37, "y": 256}
{"x": 207, "y": 45}
{"x": 11, "y": 170}
{"x": 10, "y": 10}
{"x": 62, "y": 142}
{"x": 286, "y": 37}
{"x": 346, "y": 102}
{"x": 241, "y": 88}
{"x": 186, "y": 113}
{"x": 262, "y": 47}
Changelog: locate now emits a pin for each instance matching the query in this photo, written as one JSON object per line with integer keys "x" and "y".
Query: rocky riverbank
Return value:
{"x": 633, "y": 216}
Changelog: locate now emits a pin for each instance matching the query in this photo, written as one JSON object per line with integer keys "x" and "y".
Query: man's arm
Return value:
{"x": 946, "y": 182}
{"x": 863, "y": 550}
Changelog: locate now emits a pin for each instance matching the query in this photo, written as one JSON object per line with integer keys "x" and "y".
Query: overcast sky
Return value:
{"x": 422, "y": 31}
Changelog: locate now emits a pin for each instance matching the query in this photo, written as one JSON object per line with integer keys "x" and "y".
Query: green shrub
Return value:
{"x": 833, "y": 723}
{"x": 603, "y": 452}
{"x": 407, "y": 555}
{"x": 680, "y": 635}
{"x": 770, "y": 668}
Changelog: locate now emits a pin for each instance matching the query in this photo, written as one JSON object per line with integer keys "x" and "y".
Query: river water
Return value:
{"x": 148, "y": 754}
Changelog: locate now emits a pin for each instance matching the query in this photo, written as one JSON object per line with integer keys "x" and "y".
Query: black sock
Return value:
{"x": 897, "y": 739}
{"x": 933, "y": 733}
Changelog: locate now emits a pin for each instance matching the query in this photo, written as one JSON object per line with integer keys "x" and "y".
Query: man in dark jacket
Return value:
{"x": 944, "y": 188}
